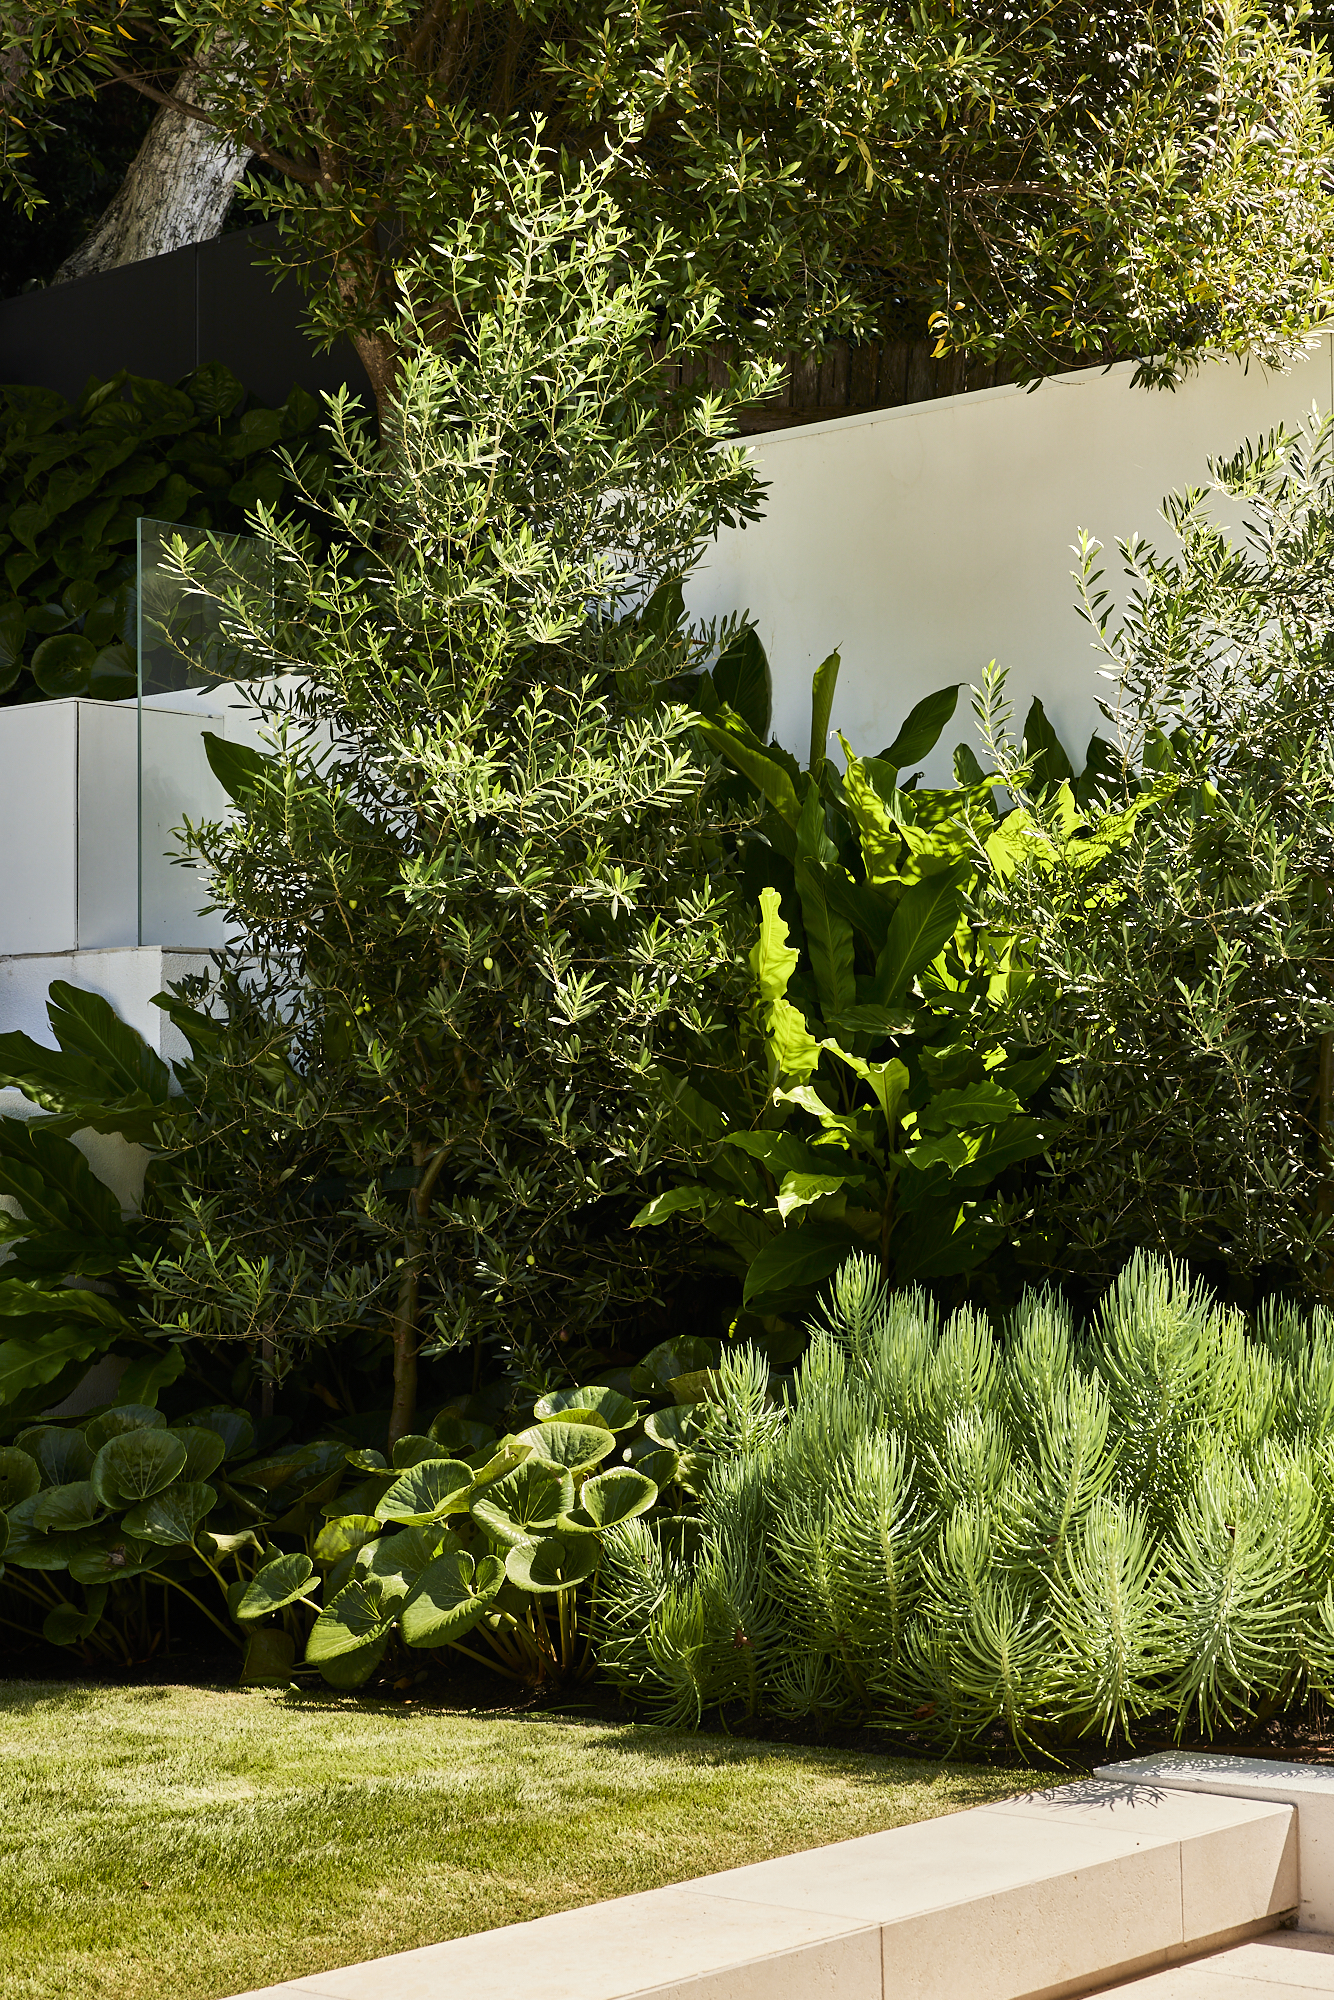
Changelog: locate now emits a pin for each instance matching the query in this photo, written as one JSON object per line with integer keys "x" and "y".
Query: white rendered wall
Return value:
{"x": 927, "y": 540}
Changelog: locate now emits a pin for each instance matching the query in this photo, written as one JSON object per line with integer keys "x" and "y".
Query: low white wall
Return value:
{"x": 927, "y": 540}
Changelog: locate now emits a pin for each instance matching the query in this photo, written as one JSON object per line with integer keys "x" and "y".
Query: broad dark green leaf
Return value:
{"x": 794, "y": 1262}
{"x": 922, "y": 729}
{"x": 556, "y": 1563}
{"x": 66, "y": 1509}
{"x": 20, "y": 1475}
{"x": 238, "y": 768}
{"x": 172, "y": 1517}
{"x": 822, "y": 707}
{"x": 53, "y": 1183}
{"x": 829, "y": 941}
{"x": 67, "y": 1624}
{"x": 925, "y": 920}
{"x": 449, "y": 1597}
{"x": 132, "y": 1467}
{"x": 427, "y": 1492}
{"x": 286, "y": 1580}
{"x": 1051, "y": 765}
{"x": 741, "y": 678}
{"x": 62, "y": 1452}
{"x": 360, "y": 1616}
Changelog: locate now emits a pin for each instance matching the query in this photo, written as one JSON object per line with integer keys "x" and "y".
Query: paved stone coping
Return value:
{"x": 1053, "y": 1893}
{"x": 1283, "y": 1966}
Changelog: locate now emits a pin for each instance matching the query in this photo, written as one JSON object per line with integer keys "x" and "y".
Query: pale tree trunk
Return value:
{"x": 177, "y": 191}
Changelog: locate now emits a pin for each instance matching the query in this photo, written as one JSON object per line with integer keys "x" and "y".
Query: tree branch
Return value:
{"x": 292, "y": 168}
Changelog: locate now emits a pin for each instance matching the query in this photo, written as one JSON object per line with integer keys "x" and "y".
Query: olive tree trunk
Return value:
{"x": 177, "y": 191}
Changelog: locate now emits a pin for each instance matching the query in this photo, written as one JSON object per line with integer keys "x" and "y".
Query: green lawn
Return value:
{"x": 174, "y": 1843}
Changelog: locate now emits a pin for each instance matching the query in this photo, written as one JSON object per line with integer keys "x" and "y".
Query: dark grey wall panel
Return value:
{"x": 165, "y": 316}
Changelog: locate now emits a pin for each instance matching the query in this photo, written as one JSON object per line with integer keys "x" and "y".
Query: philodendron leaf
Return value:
{"x": 66, "y": 1625}
{"x": 427, "y": 1492}
{"x": 449, "y": 1598}
{"x": 110, "y": 1556}
{"x": 360, "y": 1616}
{"x": 576, "y": 1447}
{"x": 344, "y": 1535}
{"x": 741, "y": 677}
{"x": 526, "y": 1503}
{"x": 62, "y": 1452}
{"x": 172, "y": 1517}
{"x": 285, "y": 1580}
{"x": 20, "y": 1475}
{"x": 135, "y": 1465}
{"x": 616, "y": 1411}
{"x": 553, "y": 1564}
{"x": 618, "y": 1495}
{"x": 68, "y": 1508}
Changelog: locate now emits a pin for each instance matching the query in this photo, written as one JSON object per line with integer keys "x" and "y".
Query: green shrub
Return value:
{"x": 1060, "y": 1533}
{"x": 74, "y": 480}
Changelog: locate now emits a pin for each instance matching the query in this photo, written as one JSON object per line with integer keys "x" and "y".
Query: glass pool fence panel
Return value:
{"x": 193, "y": 668}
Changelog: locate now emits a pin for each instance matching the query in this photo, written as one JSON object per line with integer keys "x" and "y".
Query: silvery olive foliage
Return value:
{"x": 1189, "y": 1005}
{"x": 1057, "y": 1533}
{"x": 471, "y": 879}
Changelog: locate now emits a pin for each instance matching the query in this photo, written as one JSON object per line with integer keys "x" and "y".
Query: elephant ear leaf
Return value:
{"x": 240, "y": 769}
{"x": 450, "y": 1597}
{"x": 922, "y": 729}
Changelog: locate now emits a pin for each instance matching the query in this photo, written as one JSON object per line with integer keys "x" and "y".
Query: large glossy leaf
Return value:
{"x": 922, "y": 730}
{"x": 576, "y": 1447}
{"x": 772, "y": 959}
{"x": 728, "y": 736}
{"x": 232, "y": 1426}
{"x": 240, "y": 769}
{"x": 66, "y": 1509}
{"x": 101, "y": 1059}
{"x": 344, "y": 1535}
{"x": 460, "y": 1435}
{"x": 415, "y": 1450}
{"x": 135, "y": 1465}
{"x": 67, "y": 1624}
{"x": 1051, "y": 765}
{"x": 62, "y": 665}
{"x": 925, "y": 920}
{"x": 29, "y": 1360}
{"x": 111, "y": 1556}
{"x": 794, "y": 1262}
{"x": 20, "y": 1475}
{"x": 122, "y": 1418}
{"x": 29, "y": 1548}
{"x": 526, "y": 1503}
{"x": 618, "y": 1495}
{"x": 427, "y": 1492}
{"x": 353, "y": 1669}
{"x": 450, "y": 1596}
{"x": 399, "y": 1560}
{"x": 52, "y": 1182}
{"x": 674, "y": 1427}
{"x": 173, "y": 1516}
{"x": 286, "y": 1580}
{"x": 145, "y": 1379}
{"x": 204, "y": 1451}
{"x": 823, "y": 683}
{"x": 829, "y": 940}
{"x": 617, "y": 1411}
{"x": 62, "y": 1452}
{"x": 741, "y": 679}
{"x": 683, "y": 1356}
{"x": 361, "y": 1615}
{"x": 557, "y": 1563}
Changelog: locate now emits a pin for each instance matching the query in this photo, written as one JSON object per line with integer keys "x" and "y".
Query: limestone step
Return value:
{"x": 1283, "y": 1966}
{"x": 1051, "y": 1894}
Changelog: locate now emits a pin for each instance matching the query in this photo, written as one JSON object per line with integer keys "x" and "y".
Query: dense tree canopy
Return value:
{"x": 1079, "y": 180}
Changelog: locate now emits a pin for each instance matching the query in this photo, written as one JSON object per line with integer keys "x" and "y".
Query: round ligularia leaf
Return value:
{"x": 204, "y": 1451}
{"x": 232, "y": 1426}
{"x": 269, "y": 1657}
{"x": 674, "y": 1426}
{"x": 67, "y": 1624}
{"x": 460, "y": 1435}
{"x": 68, "y": 1508}
{"x": 427, "y": 1492}
{"x": 172, "y": 1517}
{"x": 615, "y": 1410}
{"x": 577, "y": 1447}
{"x": 450, "y": 1597}
{"x": 135, "y": 1465}
{"x": 525, "y": 1504}
{"x": 553, "y": 1564}
{"x": 63, "y": 1453}
{"x": 285, "y": 1580}
{"x": 108, "y": 1556}
{"x": 344, "y": 1535}
{"x": 359, "y": 1616}
{"x": 20, "y": 1475}
{"x": 354, "y": 1669}
{"x": 115, "y": 1423}
{"x": 62, "y": 666}
{"x": 415, "y": 1450}
{"x": 28, "y": 1548}
{"x": 399, "y": 1560}
{"x": 367, "y": 1461}
{"x": 618, "y": 1495}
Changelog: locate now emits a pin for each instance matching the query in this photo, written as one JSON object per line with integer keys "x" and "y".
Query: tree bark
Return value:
{"x": 177, "y": 191}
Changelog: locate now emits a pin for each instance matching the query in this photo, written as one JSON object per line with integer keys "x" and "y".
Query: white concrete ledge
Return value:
{"x": 1309, "y": 1788}
{"x": 1053, "y": 1893}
